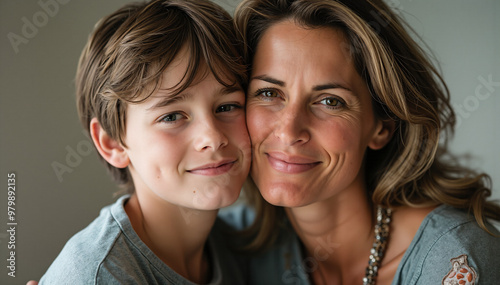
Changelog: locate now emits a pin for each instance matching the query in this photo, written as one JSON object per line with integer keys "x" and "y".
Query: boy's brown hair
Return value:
{"x": 128, "y": 51}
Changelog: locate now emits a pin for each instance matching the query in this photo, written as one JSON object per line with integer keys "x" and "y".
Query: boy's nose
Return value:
{"x": 209, "y": 137}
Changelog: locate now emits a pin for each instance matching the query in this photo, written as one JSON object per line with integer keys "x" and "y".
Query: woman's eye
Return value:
{"x": 171, "y": 118}
{"x": 332, "y": 102}
{"x": 227, "y": 108}
{"x": 266, "y": 93}
{"x": 269, "y": 93}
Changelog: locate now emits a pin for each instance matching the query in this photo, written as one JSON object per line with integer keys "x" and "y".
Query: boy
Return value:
{"x": 159, "y": 88}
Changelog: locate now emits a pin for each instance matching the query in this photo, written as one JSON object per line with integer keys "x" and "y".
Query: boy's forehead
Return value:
{"x": 184, "y": 68}
{"x": 182, "y": 75}
{"x": 174, "y": 81}
{"x": 176, "y": 73}
{"x": 211, "y": 87}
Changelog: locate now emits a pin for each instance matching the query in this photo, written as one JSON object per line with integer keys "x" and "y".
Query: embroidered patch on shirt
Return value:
{"x": 461, "y": 273}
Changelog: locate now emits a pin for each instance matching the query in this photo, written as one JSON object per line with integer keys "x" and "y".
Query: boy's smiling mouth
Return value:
{"x": 213, "y": 169}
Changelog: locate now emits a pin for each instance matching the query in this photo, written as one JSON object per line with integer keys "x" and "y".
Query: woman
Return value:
{"x": 345, "y": 115}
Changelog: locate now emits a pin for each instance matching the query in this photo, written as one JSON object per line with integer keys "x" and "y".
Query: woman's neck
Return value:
{"x": 177, "y": 235}
{"x": 338, "y": 234}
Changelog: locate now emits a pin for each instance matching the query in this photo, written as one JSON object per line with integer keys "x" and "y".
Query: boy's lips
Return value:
{"x": 290, "y": 164}
{"x": 212, "y": 169}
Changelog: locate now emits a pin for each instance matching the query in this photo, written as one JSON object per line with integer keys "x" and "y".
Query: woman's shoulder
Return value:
{"x": 446, "y": 235}
{"x": 446, "y": 222}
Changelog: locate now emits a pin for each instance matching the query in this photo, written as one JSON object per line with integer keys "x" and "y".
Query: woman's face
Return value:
{"x": 310, "y": 117}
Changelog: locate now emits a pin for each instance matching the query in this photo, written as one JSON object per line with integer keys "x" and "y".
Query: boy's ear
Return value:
{"x": 111, "y": 150}
{"x": 383, "y": 134}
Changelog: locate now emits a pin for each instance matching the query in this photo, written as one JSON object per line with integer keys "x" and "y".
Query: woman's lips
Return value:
{"x": 290, "y": 164}
{"x": 213, "y": 169}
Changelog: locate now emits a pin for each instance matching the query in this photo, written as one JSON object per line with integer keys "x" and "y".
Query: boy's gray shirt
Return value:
{"x": 108, "y": 251}
{"x": 446, "y": 235}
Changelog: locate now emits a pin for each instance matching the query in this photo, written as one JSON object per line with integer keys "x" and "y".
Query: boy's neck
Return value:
{"x": 175, "y": 234}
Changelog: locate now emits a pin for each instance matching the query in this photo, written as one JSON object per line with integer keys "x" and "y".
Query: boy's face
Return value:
{"x": 192, "y": 150}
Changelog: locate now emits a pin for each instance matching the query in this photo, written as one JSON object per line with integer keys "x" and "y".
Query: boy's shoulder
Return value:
{"x": 107, "y": 251}
{"x": 449, "y": 237}
{"x": 84, "y": 253}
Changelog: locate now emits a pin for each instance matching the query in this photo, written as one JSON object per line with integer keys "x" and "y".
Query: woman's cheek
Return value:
{"x": 257, "y": 124}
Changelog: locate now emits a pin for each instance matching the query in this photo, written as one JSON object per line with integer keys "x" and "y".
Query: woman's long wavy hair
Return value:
{"x": 415, "y": 168}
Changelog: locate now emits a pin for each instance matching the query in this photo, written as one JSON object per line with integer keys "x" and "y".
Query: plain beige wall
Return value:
{"x": 39, "y": 127}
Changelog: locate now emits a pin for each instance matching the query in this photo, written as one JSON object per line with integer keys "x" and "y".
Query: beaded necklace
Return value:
{"x": 379, "y": 245}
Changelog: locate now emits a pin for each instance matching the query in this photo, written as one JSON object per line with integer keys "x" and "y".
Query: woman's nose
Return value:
{"x": 291, "y": 126}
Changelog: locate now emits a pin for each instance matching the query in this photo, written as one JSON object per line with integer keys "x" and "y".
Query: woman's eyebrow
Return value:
{"x": 315, "y": 88}
{"x": 269, "y": 79}
{"x": 330, "y": 86}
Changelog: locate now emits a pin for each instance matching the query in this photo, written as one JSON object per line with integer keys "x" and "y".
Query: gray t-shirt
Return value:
{"x": 448, "y": 247}
{"x": 108, "y": 251}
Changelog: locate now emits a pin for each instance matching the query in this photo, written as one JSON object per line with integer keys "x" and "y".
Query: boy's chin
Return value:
{"x": 216, "y": 203}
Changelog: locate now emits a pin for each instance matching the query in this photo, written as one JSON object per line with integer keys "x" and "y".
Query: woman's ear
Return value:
{"x": 383, "y": 134}
{"x": 111, "y": 150}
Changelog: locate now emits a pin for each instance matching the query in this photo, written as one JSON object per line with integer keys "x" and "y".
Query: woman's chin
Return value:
{"x": 285, "y": 197}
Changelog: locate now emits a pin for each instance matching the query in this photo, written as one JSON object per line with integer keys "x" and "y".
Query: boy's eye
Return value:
{"x": 170, "y": 118}
{"x": 227, "y": 108}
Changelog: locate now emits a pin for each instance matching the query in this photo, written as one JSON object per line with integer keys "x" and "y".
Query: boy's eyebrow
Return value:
{"x": 225, "y": 90}
{"x": 230, "y": 89}
{"x": 167, "y": 100}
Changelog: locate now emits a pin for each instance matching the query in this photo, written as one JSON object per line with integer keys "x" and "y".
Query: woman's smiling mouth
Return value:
{"x": 290, "y": 164}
